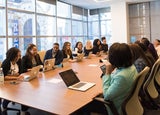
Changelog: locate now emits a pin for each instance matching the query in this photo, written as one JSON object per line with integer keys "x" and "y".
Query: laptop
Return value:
{"x": 65, "y": 62}
{"x": 72, "y": 82}
{"x": 79, "y": 57}
{"x": 49, "y": 64}
{"x": 32, "y": 74}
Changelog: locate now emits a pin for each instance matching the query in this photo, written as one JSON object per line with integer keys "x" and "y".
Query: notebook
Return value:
{"x": 32, "y": 74}
{"x": 79, "y": 57}
{"x": 49, "y": 64}
{"x": 72, "y": 82}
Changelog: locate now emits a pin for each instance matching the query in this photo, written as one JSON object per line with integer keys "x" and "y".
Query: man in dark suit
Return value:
{"x": 54, "y": 53}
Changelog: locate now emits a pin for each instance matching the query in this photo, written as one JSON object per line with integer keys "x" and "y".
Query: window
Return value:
{"x": 63, "y": 27}
{"x": 77, "y": 13}
{"x": 61, "y": 40}
{"x": 45, "y": 8}
{"x": 45, "y": 43}
{"x": 2, "y": 46}
{"x": 42, "y": 22}
{"x": 94, "y": 29}
{"x": 28, "y": 5}
{"x": 2, "y": 22}
{"x": 63, "y": 10}
{"x": 2, "y": 2}
{"x": 21, "y": 43}
{"x": 139, "y": 21}
{"x": 77, "y": 28}
{"x": 21, "y": 24}
{"x": 46, "y": 25}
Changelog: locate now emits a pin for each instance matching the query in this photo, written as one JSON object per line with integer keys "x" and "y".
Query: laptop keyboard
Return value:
{"x": 79, "y": 85}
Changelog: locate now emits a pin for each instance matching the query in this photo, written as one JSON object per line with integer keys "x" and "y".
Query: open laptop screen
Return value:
{"x": 69, "y": 77}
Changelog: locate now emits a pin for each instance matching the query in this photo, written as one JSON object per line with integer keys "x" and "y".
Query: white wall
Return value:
{"x": 119, "y": 16}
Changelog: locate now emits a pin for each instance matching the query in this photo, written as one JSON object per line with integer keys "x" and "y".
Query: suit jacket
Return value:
{"x": 65, "y": 56}
{"x": 58, "y": 57}
{"x": 27, "y": 62}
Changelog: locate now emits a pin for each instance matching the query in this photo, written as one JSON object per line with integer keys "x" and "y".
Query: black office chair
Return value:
{"x": 131, "y": 105}
{"x": 9, "y": 109}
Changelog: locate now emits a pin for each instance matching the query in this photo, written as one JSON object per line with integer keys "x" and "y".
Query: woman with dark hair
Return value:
{"x": 12, "y": 71}
{"x": 31, "y": 58}
{"x": 140, "y": 60}
{"x": 67, "y": 53}
{"x": 78, "y": 49}
{"x": 120, "y": 75}
{"x": 150, "y": 47}
{"x": 12, "y": 64}
{"x": 147, "y": 53}
{"x": 96, "y": 46}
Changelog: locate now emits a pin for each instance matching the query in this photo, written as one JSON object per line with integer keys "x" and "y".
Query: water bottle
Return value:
{"x": 1, "y": 76}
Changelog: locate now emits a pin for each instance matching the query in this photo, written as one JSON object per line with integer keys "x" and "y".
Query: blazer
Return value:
{"x": 117, "y": 85}
{"x": 95, "y": 49}
{"x": 104, "y": 47}
{"x": 27, "y": 63}
{"x": 6, "y": 65}
{"x": 58, "y": 57}
{"x": 65, "y": 56}
{"x": 86, "y": 51}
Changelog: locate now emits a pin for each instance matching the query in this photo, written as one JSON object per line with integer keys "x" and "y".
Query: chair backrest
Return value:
{"x": 42, "y": 54}
{"x": 149, "y": 86}
{"x": 157, "y": 74}
{"x": 132, "y": 105}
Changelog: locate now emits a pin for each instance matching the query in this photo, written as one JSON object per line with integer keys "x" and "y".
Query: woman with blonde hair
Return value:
{"x": 88, "y": 47}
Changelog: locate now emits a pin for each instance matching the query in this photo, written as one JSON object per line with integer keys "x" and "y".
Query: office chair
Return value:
{"x": 152, "y": 96}
{"x": 42, "y": 54}
{"x": 131, "y": 105}
{"x": 9, "y": 109}
{"x": 157, "y": 76}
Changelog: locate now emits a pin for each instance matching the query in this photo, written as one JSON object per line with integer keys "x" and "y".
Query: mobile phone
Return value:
{"x": 103, "y": 68}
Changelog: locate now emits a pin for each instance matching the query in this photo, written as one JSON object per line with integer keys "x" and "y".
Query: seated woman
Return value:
{"x": 139, "y": 58}
{"x": 120, "y": 75}
{"x": 31, "y": 58}
{"x": 88, "y": 48}
{"x": 67, "y": 52}
{"x": 12, "y": 70}
{"x": 78, "y": 49}
{"x": 97, "y": 46}
{"x": 150, "y": 47}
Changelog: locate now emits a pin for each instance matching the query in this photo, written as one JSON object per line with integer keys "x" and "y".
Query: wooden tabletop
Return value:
{"x": 49, "y": 93}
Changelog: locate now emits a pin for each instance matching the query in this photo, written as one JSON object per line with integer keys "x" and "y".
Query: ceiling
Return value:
{"x": 92, "y": 4}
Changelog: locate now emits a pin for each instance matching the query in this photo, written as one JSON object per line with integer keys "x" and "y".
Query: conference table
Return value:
{"x": 49, "y": 93}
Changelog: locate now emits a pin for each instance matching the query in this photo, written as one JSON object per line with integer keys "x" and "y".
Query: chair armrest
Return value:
{"x": 109, "y": 103}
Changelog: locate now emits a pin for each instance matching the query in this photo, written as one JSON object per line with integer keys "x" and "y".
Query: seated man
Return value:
{"x": 54, "y": 53}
